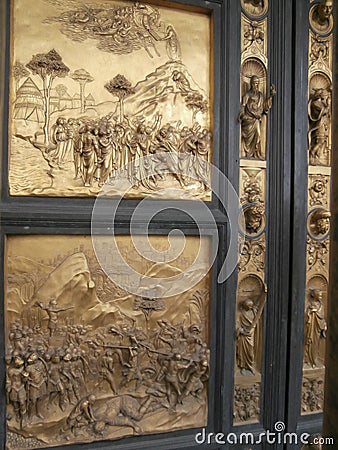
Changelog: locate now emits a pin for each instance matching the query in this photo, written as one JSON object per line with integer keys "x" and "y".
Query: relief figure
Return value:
{"x": 250, "y": 313}
{"x": 319, "y": 126}
{"x": 319, "y": 223}
{"x": 315, "y": 327}
{"x": 254, "y": 105}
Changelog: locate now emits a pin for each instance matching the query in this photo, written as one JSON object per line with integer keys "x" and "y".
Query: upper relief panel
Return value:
{"x": 97, "y": 86}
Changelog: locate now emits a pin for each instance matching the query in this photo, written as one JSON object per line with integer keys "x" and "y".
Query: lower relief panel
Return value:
{"x": 86, "y": 360}
{"x": 251, "y": 297}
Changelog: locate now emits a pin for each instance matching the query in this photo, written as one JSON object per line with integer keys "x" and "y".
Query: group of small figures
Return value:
{"x": 78, "y": 365}
{"x": 98, "y": 149}
{"x": 313, "y": 395}
{"x": 246, "y": 402}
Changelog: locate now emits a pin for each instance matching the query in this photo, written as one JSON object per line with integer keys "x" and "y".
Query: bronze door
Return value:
{"x": 210, "y": 118}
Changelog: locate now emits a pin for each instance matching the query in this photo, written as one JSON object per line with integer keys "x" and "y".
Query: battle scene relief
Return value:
{"x": 87, "y": 361}
{"x": 96, "y": 86}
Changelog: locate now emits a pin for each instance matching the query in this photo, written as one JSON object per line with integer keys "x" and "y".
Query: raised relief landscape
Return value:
{"x": 85, "y": 360}
{"x": 96, "y": 86}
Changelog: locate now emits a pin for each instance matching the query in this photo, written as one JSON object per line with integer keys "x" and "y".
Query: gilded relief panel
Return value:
{"x": 256, "y": 102}
{"x": 318, "y": 220}
{"x": 87, "y": 361}
{"x": 315, "y": 315}
{"x": 96, "y": 86}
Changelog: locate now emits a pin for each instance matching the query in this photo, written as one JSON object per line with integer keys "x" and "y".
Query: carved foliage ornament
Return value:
{"x": 318, "y": 252}
{"x": 253, "y": 37}
{"x": 319, "y": 52}
{"x": 252, "y": 187}
{"x": 318, "y": 190}
{"x": 253, "y": 251}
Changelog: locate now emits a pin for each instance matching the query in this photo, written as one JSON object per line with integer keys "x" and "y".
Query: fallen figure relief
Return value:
{"x": 80, "y": 369}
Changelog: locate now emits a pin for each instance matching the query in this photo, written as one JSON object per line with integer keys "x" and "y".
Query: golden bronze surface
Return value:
{"x": 255, "y": 8}
{"x": 319, "y": 112}
{"x": 252, "y": 256}
{"x": 315, "y": 327}
{"x": 315, "y": 322}
{"x": 251, "y": 289}
{"x": 95, "y": 86}
{"x": 319, "y": 190}
{"x": 321, "y": 18}
{"x": 251, "y": 299}
{"x": 254, "y": 106}
{"x": 247, "y": 402}
{"x": 320, "y": 53}
{"x": 318, "y": 221}
{"x": 253, "y": 39}
{"x": 313, "y": 394}
{"x": 86, "y": 361}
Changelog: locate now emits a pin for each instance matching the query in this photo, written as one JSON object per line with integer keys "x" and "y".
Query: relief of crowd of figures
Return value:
{"x": 100, "y": 151}
{"x": 83, "y": 141}
{"x": 90, "y": 150}
{"x": 80, "y": 368}
{"x": 312, "y": 395}
{"x": 318, "y": 223}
